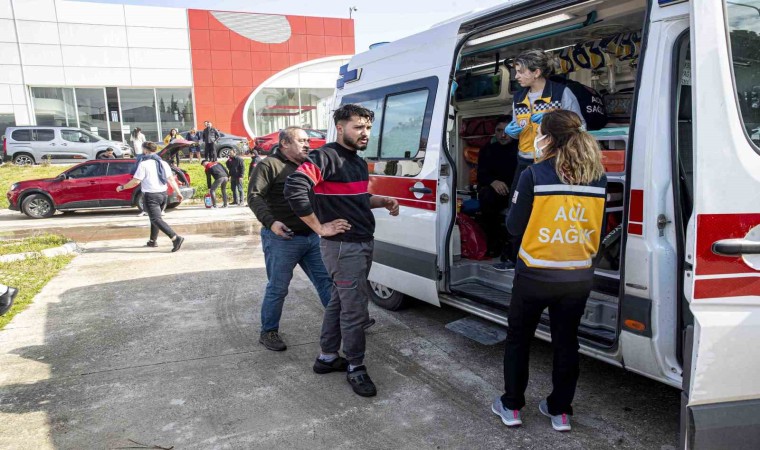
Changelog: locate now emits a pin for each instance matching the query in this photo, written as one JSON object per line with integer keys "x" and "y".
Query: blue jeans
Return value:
{"x": 281, "y": 256}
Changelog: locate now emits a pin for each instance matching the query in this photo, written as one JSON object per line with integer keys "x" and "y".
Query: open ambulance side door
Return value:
{"x": 721, "y": 403}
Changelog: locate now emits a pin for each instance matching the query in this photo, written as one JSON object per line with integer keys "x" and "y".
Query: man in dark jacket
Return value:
{"x": 108, "y": 154}
{"x": 220, "y": 175}
{"x": 236, "y": 168}
{"x": 210, "y": 136}
{"x": 342, "y": 216}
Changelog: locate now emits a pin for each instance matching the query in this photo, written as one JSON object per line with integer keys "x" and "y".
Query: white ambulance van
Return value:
{"x": 677, "y": 290}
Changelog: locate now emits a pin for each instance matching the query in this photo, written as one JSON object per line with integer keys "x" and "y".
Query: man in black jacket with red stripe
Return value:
{"x": 339, "y": 178}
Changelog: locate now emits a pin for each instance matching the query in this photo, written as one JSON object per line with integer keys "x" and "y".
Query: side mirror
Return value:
{"x": 61, "y": 177}
{"x": 83, "y": 139}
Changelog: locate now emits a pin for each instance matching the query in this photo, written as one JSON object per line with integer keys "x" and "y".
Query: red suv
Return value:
{"x": 265, "y": 144}
{"x": 88, "y": 185}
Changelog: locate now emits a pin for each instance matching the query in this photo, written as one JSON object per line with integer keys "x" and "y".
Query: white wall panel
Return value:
{"x": 7, "y": 30}
{"x": 18, "y": 94}
{"x": 158, "y": 38}
{"x": 89, "y": 12}
{"x": 10, "y": 74}
{"x": 9, "y": 52}
{"x": 158, "y": 58}
{"x": 5, "y": 9}
{"x": 5, "y": 94}
{"x": 97, "y": 76}
{"x": 35, "y": 32}
{"x": 6, "y": 109}
{"x": 43, "y": 10}
{"x": 93, "y": 35}
{"x": 154, "y": 16}
{"x": 162, "y": 77}
{"x": 41, "y": 55}
{"x": 44, "y": 75}
{"x": 83, "y": 56}
{"x": 22, "y": 115}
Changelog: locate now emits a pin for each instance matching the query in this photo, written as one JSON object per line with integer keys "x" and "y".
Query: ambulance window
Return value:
{"x": 744, "y": 33}
{"x": 376, "y": 106}
{"x": 402, "y": 125}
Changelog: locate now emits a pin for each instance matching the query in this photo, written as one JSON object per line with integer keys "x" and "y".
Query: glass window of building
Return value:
{"x": 138, "y": 109}
{"x": 54, "y": 106}
{"x": 93, "y": 113}
{"x": 6, "y": 120}
{"x": 175, "y": 109}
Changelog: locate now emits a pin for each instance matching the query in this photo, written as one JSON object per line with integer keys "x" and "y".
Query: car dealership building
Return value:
{"x": 109, "y": 68}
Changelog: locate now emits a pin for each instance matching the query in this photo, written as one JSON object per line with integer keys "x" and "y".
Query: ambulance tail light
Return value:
{"x": 634, "y": 325}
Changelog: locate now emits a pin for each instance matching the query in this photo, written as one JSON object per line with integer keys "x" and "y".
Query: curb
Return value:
{"x": 69, "y": 247}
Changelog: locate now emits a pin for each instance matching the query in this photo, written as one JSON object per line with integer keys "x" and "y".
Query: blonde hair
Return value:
{"x": 578, "y": 157}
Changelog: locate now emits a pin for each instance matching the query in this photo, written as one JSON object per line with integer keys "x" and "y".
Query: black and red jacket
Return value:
{"x": 340, "y": 181}
{"x": 215, "y": 170}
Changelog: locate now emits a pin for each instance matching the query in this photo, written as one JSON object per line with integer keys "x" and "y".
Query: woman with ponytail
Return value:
{"x": 558, "y": 209}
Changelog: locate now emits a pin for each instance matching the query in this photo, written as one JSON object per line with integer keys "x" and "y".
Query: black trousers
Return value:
{"x": 566, "y": 302}
{"x": 174, "y": 156}
{"x": 154, "y": 204}
{"x": 491, "y": 206}
{"x": 209, "y": 153}
{"x": 237, "y": 189}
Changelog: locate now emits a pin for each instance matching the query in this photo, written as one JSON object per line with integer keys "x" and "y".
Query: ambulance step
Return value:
{"x": 479, "y": 330}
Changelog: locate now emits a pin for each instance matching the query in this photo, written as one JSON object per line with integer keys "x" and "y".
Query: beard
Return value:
{"x": 354, "y": 143}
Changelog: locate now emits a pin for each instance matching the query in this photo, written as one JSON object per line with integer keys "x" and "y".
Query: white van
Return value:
{"x": 677, "y": 298}
{"x": 25, "y": 145}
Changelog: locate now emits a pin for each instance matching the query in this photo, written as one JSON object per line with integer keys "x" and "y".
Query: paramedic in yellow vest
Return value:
{"x": 558, "y": 209}
{"x": 537, "y": 96}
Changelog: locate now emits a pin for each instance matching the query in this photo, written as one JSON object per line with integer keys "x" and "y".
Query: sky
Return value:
{"x": 375, "y": 21}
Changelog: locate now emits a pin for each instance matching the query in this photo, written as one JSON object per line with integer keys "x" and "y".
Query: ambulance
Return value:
{"x": 677, "y": 288}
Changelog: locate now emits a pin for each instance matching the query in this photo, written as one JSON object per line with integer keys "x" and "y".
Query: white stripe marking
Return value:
{"x": 569, "y": 188}
{"x": 724, "y": 276}
{"x": 544, "y": 263}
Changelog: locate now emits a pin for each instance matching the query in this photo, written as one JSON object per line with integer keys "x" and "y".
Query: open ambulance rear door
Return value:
{"x": 721, "y": 404}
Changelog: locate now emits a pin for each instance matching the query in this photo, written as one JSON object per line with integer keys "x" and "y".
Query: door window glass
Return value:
{"x": 138, "y": 109}
{"x": 54, "y": 106}
{"x": 44, "y": 135}
{"x": 744, "y": 34}
{"x": 87, "y": 171}
{"x": 93, "y": 113}
{"x": 376, "y": 106}
{"x": 120, "y": 168}
{"x": 22, "y": 135}
{"x": 402, "y": 126}
{"x": 74, "y": 136}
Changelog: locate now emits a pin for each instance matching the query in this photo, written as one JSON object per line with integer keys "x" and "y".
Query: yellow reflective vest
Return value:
{"x": 550, "y": 100}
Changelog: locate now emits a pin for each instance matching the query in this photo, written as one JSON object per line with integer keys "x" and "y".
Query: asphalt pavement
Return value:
{"x": 135, "y": 347}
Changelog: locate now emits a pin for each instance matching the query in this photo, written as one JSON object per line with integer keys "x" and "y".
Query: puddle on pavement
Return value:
{"x": 222, "y": 229}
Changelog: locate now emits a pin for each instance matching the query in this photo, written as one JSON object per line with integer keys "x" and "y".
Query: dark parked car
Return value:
{"x": 266, "y": 144}
{"x": 89, "y": 185}
{"x": 222, "y": 146}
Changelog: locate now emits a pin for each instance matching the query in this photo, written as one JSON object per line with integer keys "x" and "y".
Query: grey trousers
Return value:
{"x": 348, "y": 264}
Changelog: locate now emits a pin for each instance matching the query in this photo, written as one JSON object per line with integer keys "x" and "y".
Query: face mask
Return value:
{"x": 539, "y": 152}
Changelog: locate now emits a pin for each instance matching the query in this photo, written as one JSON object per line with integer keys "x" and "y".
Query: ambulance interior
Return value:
{"x": 597, "y": 45}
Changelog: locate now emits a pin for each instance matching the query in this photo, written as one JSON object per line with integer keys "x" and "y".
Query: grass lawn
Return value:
{"x": 198, "y": 179}
{"x": 31, "y": 244}
{"x": 11, "y": 173}
{"x": 29, "y": 276}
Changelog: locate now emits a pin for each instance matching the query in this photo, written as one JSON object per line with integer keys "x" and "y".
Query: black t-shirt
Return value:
{"x": 497, "y": 162}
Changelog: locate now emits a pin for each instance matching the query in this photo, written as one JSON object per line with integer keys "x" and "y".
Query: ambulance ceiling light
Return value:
{"x": 522, "y": 29}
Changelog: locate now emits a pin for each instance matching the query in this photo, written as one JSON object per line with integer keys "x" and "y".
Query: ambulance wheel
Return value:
{"x": 386, "y": 297}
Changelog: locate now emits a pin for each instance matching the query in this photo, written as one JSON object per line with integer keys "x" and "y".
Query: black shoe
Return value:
{"x": 338, "y": 364}
{"x": 177, "y": 243}
{"x": 369, "y": 323}
{"x": 151, "y": 244}
{"x": 360, "y": 382}
{"x": 6, "y": 300}
{"x": 272, "y": 341}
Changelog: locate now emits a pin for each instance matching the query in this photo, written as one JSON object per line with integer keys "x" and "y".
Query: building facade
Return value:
{"x": 109, "y": 68}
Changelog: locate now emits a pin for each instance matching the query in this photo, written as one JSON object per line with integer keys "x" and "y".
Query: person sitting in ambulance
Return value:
{"x": 496, "y": 167}
{"x": 558, "y": 209}
{"x": 537, "y": 96}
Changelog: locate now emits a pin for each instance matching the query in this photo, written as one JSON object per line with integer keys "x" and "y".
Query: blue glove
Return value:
{"x": 513, "y": 130}
{"x": 537, "y": 117}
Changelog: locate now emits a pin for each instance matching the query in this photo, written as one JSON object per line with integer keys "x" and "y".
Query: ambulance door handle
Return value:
{"x": 736, "y": 247}
{"x": 421, "y": 190}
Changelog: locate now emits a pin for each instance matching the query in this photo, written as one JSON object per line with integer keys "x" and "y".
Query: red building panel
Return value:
{"x": 347, "y": 28}
{"x": 223, "y": 95}
{"x": 279, "y": 61}
{"x": 201, "y": 59}
{"x": 315, "y": 26}
{"x": 333, "y": 45}
{"x": 260, "y": 61}
{"x": 202, "y": 78}
{"x": 197, "y": 20}
{"x": 297, "y": 44}
{"x": 220, "y": 40}
{"x": 239, "y": 43}
{"x": 241, "y": 60}
{"x": 298, "y": 58}
{"x": 221, "y": 60}
{"x": 222, "y": 77}
{"x": 332, "y": 27}
{"x": 241, "y": 78}
{"x": 297, "y": 24}
{"x": 315, "y": 44}
{"x": 348, "y": 45}
{"x": 199, "y": 40}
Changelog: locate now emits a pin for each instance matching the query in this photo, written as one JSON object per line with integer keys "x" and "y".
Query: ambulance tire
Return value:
{"x": 386, "y": 297}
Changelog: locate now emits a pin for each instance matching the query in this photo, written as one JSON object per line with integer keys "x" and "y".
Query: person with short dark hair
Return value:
{"x": 209, "y": 137}
{"x": 107, "y": 154}
{"x": 339, "y": 180}
{"x": 236, "y": 168}
{"x": 220, "y": 175}
{"x": 287, "y": 241}
{"x": 154, "y": 175}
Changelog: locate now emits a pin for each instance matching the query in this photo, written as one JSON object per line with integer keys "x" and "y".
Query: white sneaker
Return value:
{"x": 560, "y": 422}
{"x": 510, "y": 417}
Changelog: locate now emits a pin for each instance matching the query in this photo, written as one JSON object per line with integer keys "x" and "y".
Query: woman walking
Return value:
{"x": 558, "y": 209}
{"x": 174, "y": 154}
{"x": 137, "y": 139}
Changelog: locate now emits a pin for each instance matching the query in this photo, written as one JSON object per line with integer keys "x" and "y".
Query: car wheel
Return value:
{"x": 38, "y": 206}
{"x": 23, "y": 159}
{"x": 385, "y": 297}
{"x": 224, "y": 152}
{"x": 140, "y": 202}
